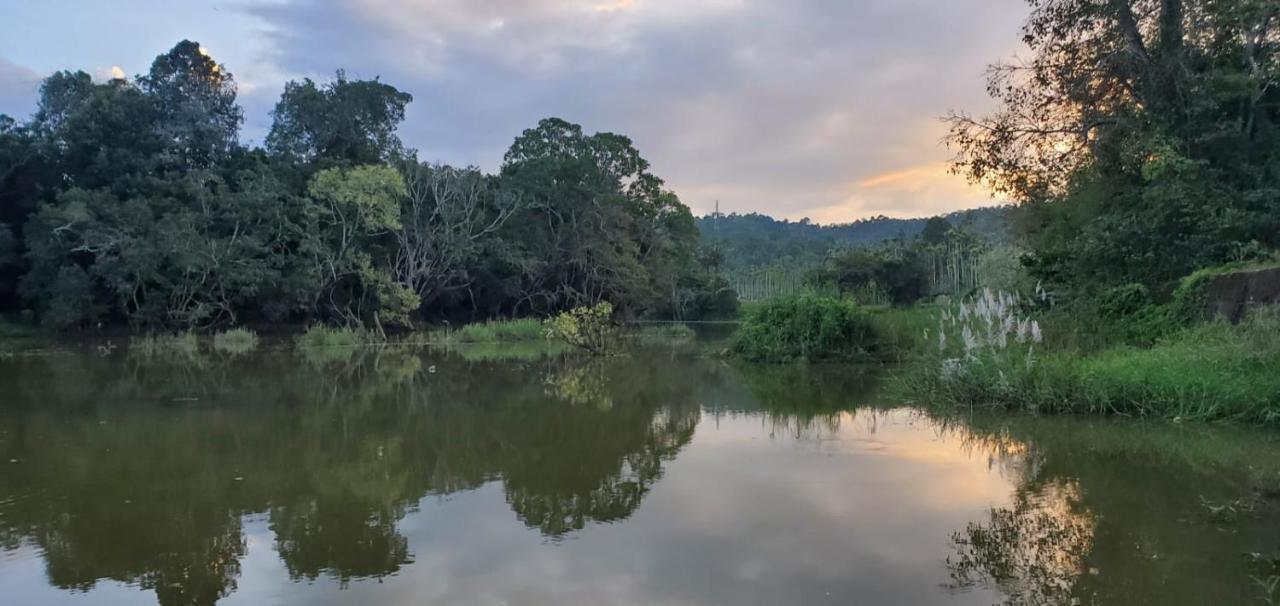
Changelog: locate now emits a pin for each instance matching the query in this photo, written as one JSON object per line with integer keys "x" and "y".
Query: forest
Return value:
{"x": 133, "y": 202}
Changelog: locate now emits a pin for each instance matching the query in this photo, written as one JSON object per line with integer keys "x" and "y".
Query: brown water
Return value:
{"x": 401, "y": 476}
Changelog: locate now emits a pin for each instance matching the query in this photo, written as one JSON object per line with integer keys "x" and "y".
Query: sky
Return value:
{"x": 826, "y": 109}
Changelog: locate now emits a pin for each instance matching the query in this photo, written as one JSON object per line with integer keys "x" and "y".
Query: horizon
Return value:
{"x": 812, "y": 109}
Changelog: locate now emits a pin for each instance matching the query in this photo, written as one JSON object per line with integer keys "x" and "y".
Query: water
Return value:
{"x": 400, "y": 476}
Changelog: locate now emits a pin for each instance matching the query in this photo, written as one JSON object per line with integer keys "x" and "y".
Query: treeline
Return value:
{"x": 755, "y": 240}
{"x": 134, "y": 202}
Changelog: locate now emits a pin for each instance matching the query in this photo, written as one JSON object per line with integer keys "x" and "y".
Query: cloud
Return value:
{"x": 767, "y": 106}
{"x": 19, "y": 88}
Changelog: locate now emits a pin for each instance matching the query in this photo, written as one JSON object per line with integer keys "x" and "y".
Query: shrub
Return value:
{"x": 589, "y": 328}
{"x": 807, "y": 328}
{"x": 235, "y": 341}
{"x": 1123, "y": 301}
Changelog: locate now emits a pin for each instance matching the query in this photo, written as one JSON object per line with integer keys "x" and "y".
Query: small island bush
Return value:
{"x": 805, "y": 328}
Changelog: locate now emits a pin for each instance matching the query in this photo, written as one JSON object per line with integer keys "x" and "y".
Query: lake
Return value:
{"x": 496, "y": 475}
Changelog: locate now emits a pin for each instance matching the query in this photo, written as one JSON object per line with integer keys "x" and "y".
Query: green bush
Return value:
{"x": 589, "y": 328}
{"x": 1123, "y": 301}
{"x": 503, "y": 331}
{"x": 807, "y": 328}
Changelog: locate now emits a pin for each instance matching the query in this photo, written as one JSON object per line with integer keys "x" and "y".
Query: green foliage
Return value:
{"x": 751, "y": 241}
{"x": 898, "y": 271}
{"x": 804, "y": 328}
{"x": 345, "y": 122}
{"x": 236, "y": 341}
{"x": 1123, "y": 301}
{"x": 1212, "y": 371}
{"x": 502, "y": 331}
{"x": 1141, "y": 142}
{"x": 588, "y": 328}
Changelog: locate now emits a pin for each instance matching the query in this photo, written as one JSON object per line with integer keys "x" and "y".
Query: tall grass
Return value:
{"x": 502, "y": 331}
{"x": 321, "y": 337}
{"x": 1211, "y": 371}
{"x": 236, "y": 341}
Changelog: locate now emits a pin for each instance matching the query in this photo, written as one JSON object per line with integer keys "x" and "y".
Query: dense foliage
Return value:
{"x": 805, "y": 328}
{"x": 755, "y": 240}
{"x": 133, "y": 201}
{"x": 1141, "y": 138}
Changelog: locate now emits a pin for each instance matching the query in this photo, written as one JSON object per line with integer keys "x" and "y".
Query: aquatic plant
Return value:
{"x": 321, "y": 337}
{"x": 236, "y": 341}
{"x": 588, "y": 328}
{"x": 805, "y": 328}
{"x": 501, "y": 331}
{"x": 152, "y": 345}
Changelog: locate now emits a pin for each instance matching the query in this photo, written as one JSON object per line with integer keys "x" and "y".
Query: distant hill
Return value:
{"x": 756, "y": 240}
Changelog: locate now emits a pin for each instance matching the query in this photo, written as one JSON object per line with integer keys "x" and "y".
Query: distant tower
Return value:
{"x": 716, "y": 223}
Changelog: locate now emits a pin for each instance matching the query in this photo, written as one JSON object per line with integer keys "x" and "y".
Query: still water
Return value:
{"x": 496, "y": 476}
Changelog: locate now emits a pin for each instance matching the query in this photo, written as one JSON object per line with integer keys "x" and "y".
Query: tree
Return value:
{"x": 195, "y": 99}
{"x": 446, "y": 219}
{"x": 356, "y": 207}
{"x": 1141, "y": 137}
{"x": 345, "y": 122}
{"x": 935, "y": 230}
{"x": 596, "y": 226}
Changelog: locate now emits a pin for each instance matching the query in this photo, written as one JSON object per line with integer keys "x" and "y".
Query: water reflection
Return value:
{"x": 189, "y": 476}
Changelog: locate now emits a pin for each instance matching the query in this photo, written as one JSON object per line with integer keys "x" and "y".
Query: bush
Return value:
{"x": 503, "y": 331}
{"x": 1123, "y": 301}
{"x": 589, "y": 328}
{"x": 807, "y": 328}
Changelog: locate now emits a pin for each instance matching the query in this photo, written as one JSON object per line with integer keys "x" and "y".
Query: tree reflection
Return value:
{"x": 1105, "y": 512}
{"x": 144, "y": 468}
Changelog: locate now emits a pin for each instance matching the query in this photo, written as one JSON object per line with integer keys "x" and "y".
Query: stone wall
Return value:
{"x": 1232, "y": 295}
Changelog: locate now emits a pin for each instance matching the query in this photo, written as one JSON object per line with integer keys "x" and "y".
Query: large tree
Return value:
{"x": 1142, "y": 136}
{"x": 345, "y": 122}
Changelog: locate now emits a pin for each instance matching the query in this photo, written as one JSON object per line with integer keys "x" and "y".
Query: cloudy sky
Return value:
{"x": 825, "y": 109}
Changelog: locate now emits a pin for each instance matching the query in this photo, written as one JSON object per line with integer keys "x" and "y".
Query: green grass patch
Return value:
{"x": 502, "y": 331}
{"x": 1209, "y": 372}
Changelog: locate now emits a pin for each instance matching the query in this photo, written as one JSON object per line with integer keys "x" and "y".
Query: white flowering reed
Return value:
{"x": 988, "y": 328}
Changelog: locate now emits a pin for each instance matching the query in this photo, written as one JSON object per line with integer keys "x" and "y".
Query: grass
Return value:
{"x": 236, "y": 341}
{"x": 1208, "y": 372}
{"x": 325, "y": 337}
{"x": 502, "y": 331}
